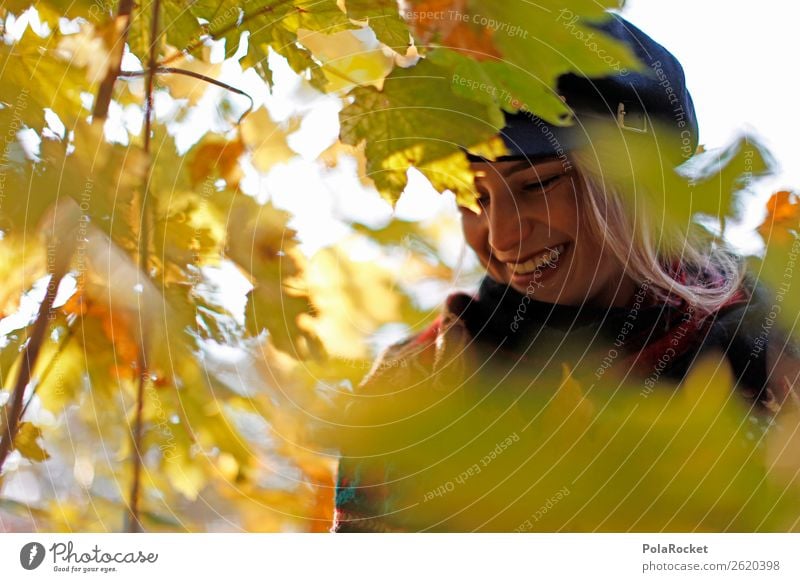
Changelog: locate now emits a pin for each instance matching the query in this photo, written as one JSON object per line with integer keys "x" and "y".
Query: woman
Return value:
{"x": 575, "y": 270}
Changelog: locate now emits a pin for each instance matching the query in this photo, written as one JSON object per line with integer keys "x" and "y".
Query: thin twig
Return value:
{"x": 106, "y": 89}
{"x": 200, "y": 76}
{"x": 134, "y": 522}
{"x": 46, "y": 372}
{"x": 13, "y": 413}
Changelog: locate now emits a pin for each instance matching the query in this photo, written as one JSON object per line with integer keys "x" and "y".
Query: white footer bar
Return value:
{"x": 401, "y": 557}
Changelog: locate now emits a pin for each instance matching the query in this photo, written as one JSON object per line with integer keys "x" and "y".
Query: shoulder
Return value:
{"x": 411, "y": 352}
{"x": 765, "y": 357}
{"x": 426, "y": 350}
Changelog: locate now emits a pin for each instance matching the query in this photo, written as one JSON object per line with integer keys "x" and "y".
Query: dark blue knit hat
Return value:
{"x": 654, "y": 100}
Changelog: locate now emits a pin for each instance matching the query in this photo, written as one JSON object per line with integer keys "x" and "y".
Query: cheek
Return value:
{"x": 593, "y": 258}
{"x": 558, "y": 214}
{"x": 476, "y": 234}
{"x": 567, "y": 222}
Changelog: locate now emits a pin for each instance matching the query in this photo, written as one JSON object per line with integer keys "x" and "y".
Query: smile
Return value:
{"x": 547, "y": 257}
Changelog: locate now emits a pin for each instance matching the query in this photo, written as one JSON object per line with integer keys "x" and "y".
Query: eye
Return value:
{"x": 483, "y": 199}
{"x": 543, "y": 185}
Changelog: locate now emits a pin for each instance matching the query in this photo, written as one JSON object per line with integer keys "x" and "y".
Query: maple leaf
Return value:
{"x": 415, "y": 121}
{"x": 383, "y": 17}
{"x": 266, "y": 140}
{"x": 34, "y": 75}
{"x": 783, "y": 217}
{"x": 27, "y": 445}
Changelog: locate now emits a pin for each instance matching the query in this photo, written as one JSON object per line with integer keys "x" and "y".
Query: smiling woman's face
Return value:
{"x": 531, "y": 235}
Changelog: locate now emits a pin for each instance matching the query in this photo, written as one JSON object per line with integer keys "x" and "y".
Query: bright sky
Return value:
{"x": 735, "y": 55}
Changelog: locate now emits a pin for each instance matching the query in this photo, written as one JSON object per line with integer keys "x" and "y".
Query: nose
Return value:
{"x": 508, "y": 227}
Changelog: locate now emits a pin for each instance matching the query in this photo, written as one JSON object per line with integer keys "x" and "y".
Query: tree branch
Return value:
{"x": 107, "y": 86}
{"x": 50, "y": 365}
{"x": 200, "y": 76}
{"x": 13, "y": 412}
{"x": 134, "y": 522}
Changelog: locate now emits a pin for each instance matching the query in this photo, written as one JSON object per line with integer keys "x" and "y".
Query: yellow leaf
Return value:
{"x": 709, "y": 385}
{"x": 221, "y": 157}
{"x": 27, "y": 445}
{"x": 265, "y": 139}
{"x": 185, "y": 476}
{"x": 569, "y": 406}
{"x": 96, "y": 48}
{"x": 352, "y": 298}
{"x": 783, "y": 448}
{"x": 191, "y": 88}
{"x": 332, "y": 156}
{"x": 347, "y": 60}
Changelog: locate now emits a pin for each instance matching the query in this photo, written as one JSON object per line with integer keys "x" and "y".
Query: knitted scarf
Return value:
{"x": 646, "y": 329}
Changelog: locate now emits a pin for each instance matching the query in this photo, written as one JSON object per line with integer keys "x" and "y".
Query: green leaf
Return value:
{"x": 177, "y": 22}
{"x": 559, "y": 37}
{"x": 272, "y": 24}
{"x": 642, "y": 166}
{"x": 383, "y": 17}
{"x": 776, "y": 269}
{"x": 416, "y": 120}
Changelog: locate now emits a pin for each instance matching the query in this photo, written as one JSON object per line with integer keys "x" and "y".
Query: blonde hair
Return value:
{"x": 625, "y": 227}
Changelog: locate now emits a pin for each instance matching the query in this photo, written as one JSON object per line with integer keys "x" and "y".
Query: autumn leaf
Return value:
{"x": 27, "y": 445}
{"x": 383, "y": 17}
{"x": 783, "y": 217}
{"x": 217, "y": 157}
{"x": 34, "y": 75}
{"x": 178, "y": 21}
{"x": 569, "y": 403}
{"x": 262, "y": 245}
{"x": 346, "y": 60}
{"x": 187, "y": 87}
{"x": 332, "y": 156}
{"x": 265, "y": 140}
{"x": 272, "y": 25}
{"x": 96, "y": 48}
{"x": 352, "y": 300}
{"x": 416, "y": 121}
{"x": 447, "y": 23}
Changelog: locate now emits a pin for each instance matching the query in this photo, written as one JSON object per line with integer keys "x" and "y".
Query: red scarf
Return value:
{"x": 685, "y": 324}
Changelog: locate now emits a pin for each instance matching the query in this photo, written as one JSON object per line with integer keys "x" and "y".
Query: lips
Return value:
{"x": 547, "y": 257}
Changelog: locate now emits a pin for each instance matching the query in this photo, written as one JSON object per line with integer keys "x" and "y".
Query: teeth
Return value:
{"x": 548, "y": 257}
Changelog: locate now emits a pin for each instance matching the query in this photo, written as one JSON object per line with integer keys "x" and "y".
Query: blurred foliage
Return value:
{"x": 558, "y": 454}
{"x": 233, "y": 407}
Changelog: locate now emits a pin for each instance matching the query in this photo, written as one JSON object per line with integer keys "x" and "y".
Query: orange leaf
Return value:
{"x": 783, "y": 214}
{"x": 448, "y": 23}
{"x": 220, "y": 157}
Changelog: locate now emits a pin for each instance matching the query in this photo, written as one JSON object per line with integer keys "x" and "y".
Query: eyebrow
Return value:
{"x": 525, "y": 165}
{"x": 520, "y": 165}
